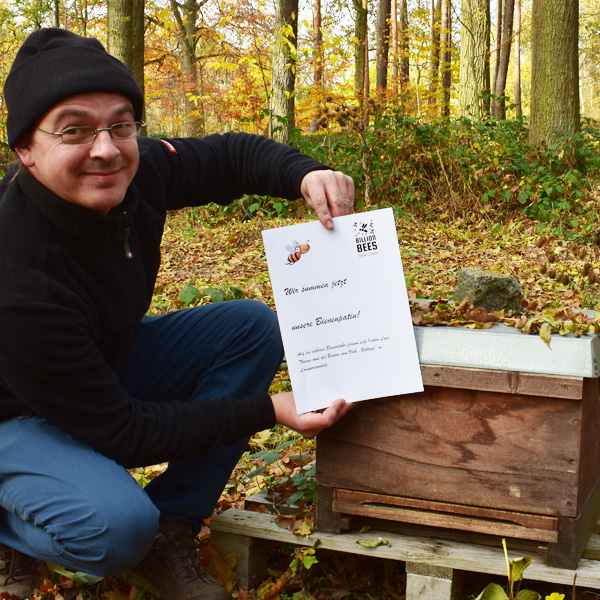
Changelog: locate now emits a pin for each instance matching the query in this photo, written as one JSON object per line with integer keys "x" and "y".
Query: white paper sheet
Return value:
{"x": 343, "y": 309}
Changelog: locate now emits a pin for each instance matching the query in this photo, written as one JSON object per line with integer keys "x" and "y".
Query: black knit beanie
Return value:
{"x": 54, "y": 64}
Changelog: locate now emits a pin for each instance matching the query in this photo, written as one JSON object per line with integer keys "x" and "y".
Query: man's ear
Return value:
{"x": 23, "y": 150}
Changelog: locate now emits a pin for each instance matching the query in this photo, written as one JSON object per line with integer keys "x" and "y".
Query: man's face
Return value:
{"x": 94, "y": 175}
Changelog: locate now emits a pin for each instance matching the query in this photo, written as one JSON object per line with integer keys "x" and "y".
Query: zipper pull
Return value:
{"x": 128, "y": 252}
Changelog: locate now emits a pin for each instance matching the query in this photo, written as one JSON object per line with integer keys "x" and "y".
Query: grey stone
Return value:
{"x": 488, "y": 290}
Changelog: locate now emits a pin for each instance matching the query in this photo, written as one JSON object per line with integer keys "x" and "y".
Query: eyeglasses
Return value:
{"x": 86, "y": 134}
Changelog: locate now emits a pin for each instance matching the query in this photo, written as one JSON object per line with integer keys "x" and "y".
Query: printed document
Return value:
{"x": 343, "y": 309}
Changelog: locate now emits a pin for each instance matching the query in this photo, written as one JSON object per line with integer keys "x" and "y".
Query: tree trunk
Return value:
{"x": 474, "y": 84}
{"x": 404, "y": 47}
{"x": 434, "y": 52}
{"x": 394, "y": 28}
{"x": 283, "y": 80}
{"x": 360, "y": 32}
{"x": 367, "y": 88}
{"x": 499, "y": 8}
{"x": 56, "y": 12}
{"x": 518, "y": 108}
{"x": 137, "y": 66}
{"x": 383, "y": 44}
{"x": 503, "y": 58}
{"x": 554, "y": 69}
{"x": 119, "y": 28}
{"x": 446, "y": 56}
{"x": 318, "y": 45}
{"x": 318, "y": 60}
{"x": 186, "y": 15}
{"x": 125, "y": 35}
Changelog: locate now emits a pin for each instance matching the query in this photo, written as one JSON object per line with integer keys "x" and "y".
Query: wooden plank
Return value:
{"x": 448, "y": 521}
{"x": 508, "y": 382}
{"x": 461, "y": 446}
{"x": 451, "y": 516}
{"x": 589, "y": 469}
{"x": 250, "y": 553}
{"x": 440, "y": 553}
{"x": 524, "y": 519}
{"x": 426, "y": 582}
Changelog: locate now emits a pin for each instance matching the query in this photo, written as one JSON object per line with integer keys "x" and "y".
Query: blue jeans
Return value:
{"x": 62, "y": 502}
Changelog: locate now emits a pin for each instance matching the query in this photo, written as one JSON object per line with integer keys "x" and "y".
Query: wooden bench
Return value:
{"x": 433, "y": 566}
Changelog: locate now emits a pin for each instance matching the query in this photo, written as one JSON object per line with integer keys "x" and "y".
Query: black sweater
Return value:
{"x": 71, "y": 300}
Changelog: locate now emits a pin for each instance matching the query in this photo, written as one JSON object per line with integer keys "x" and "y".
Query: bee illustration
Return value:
{"x": 296, "y": 252}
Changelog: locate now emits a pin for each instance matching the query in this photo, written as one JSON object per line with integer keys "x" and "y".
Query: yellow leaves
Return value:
{"x": 301, "y": 526}
{"x": 545, "y": 333}
{"x": 564, "y": 321}
{"x": 223, "y": 65}
{"x": 221, "y": 565}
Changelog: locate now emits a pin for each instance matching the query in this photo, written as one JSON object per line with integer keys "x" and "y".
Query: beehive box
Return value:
{"x": 505, "y": 440}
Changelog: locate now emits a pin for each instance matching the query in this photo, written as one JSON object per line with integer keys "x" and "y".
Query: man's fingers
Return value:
{"x": 329, "y": 193}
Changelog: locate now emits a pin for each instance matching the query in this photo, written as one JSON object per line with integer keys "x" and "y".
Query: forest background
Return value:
{"x": 427, "y": 104}
{"x": 474, "y": 119}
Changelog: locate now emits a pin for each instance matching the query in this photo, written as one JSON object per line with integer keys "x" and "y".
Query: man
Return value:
{"x": 89, "y": 386}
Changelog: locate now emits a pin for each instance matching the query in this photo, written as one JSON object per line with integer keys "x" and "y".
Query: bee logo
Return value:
{"x": 296, "y": 251}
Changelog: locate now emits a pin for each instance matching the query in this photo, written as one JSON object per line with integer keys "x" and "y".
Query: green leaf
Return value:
{"x": 529, "y": 595}
{"x": 269, "y": 456}
{"x": 309, "y": 559}
{"x": 188, "y": 294}
{"x": 519, "y": 565}
{"x": 492, "y": 592}
{"x": 294, "y": 497}
{"x": 256, "y": 472}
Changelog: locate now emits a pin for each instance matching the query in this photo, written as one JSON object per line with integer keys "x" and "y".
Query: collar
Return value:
{"x": 72, "y": 219}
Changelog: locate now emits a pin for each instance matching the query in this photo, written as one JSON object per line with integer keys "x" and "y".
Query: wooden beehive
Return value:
{"x": 505, "y": 440}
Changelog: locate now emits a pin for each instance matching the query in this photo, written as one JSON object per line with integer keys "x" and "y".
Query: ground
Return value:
{"x": 214, "y": 255}
{"x": 209, "y": 257}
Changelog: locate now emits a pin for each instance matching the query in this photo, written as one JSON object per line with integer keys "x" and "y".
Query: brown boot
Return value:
{"x": 17, "y": 572}
{"x": 171, "y": 570}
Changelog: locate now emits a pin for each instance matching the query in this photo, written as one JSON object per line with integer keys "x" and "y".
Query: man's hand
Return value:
{"x": 329, "y": 193}
{"x": 308, "y": 424}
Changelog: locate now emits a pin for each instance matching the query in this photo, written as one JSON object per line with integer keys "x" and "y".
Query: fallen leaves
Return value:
{"x": 544, "y": 322}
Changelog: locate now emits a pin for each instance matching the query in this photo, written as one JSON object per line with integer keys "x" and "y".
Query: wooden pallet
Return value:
{"x": 433, "y": 565}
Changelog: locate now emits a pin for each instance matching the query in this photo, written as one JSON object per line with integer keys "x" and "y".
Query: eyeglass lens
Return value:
{"x": 84, "y": 134}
